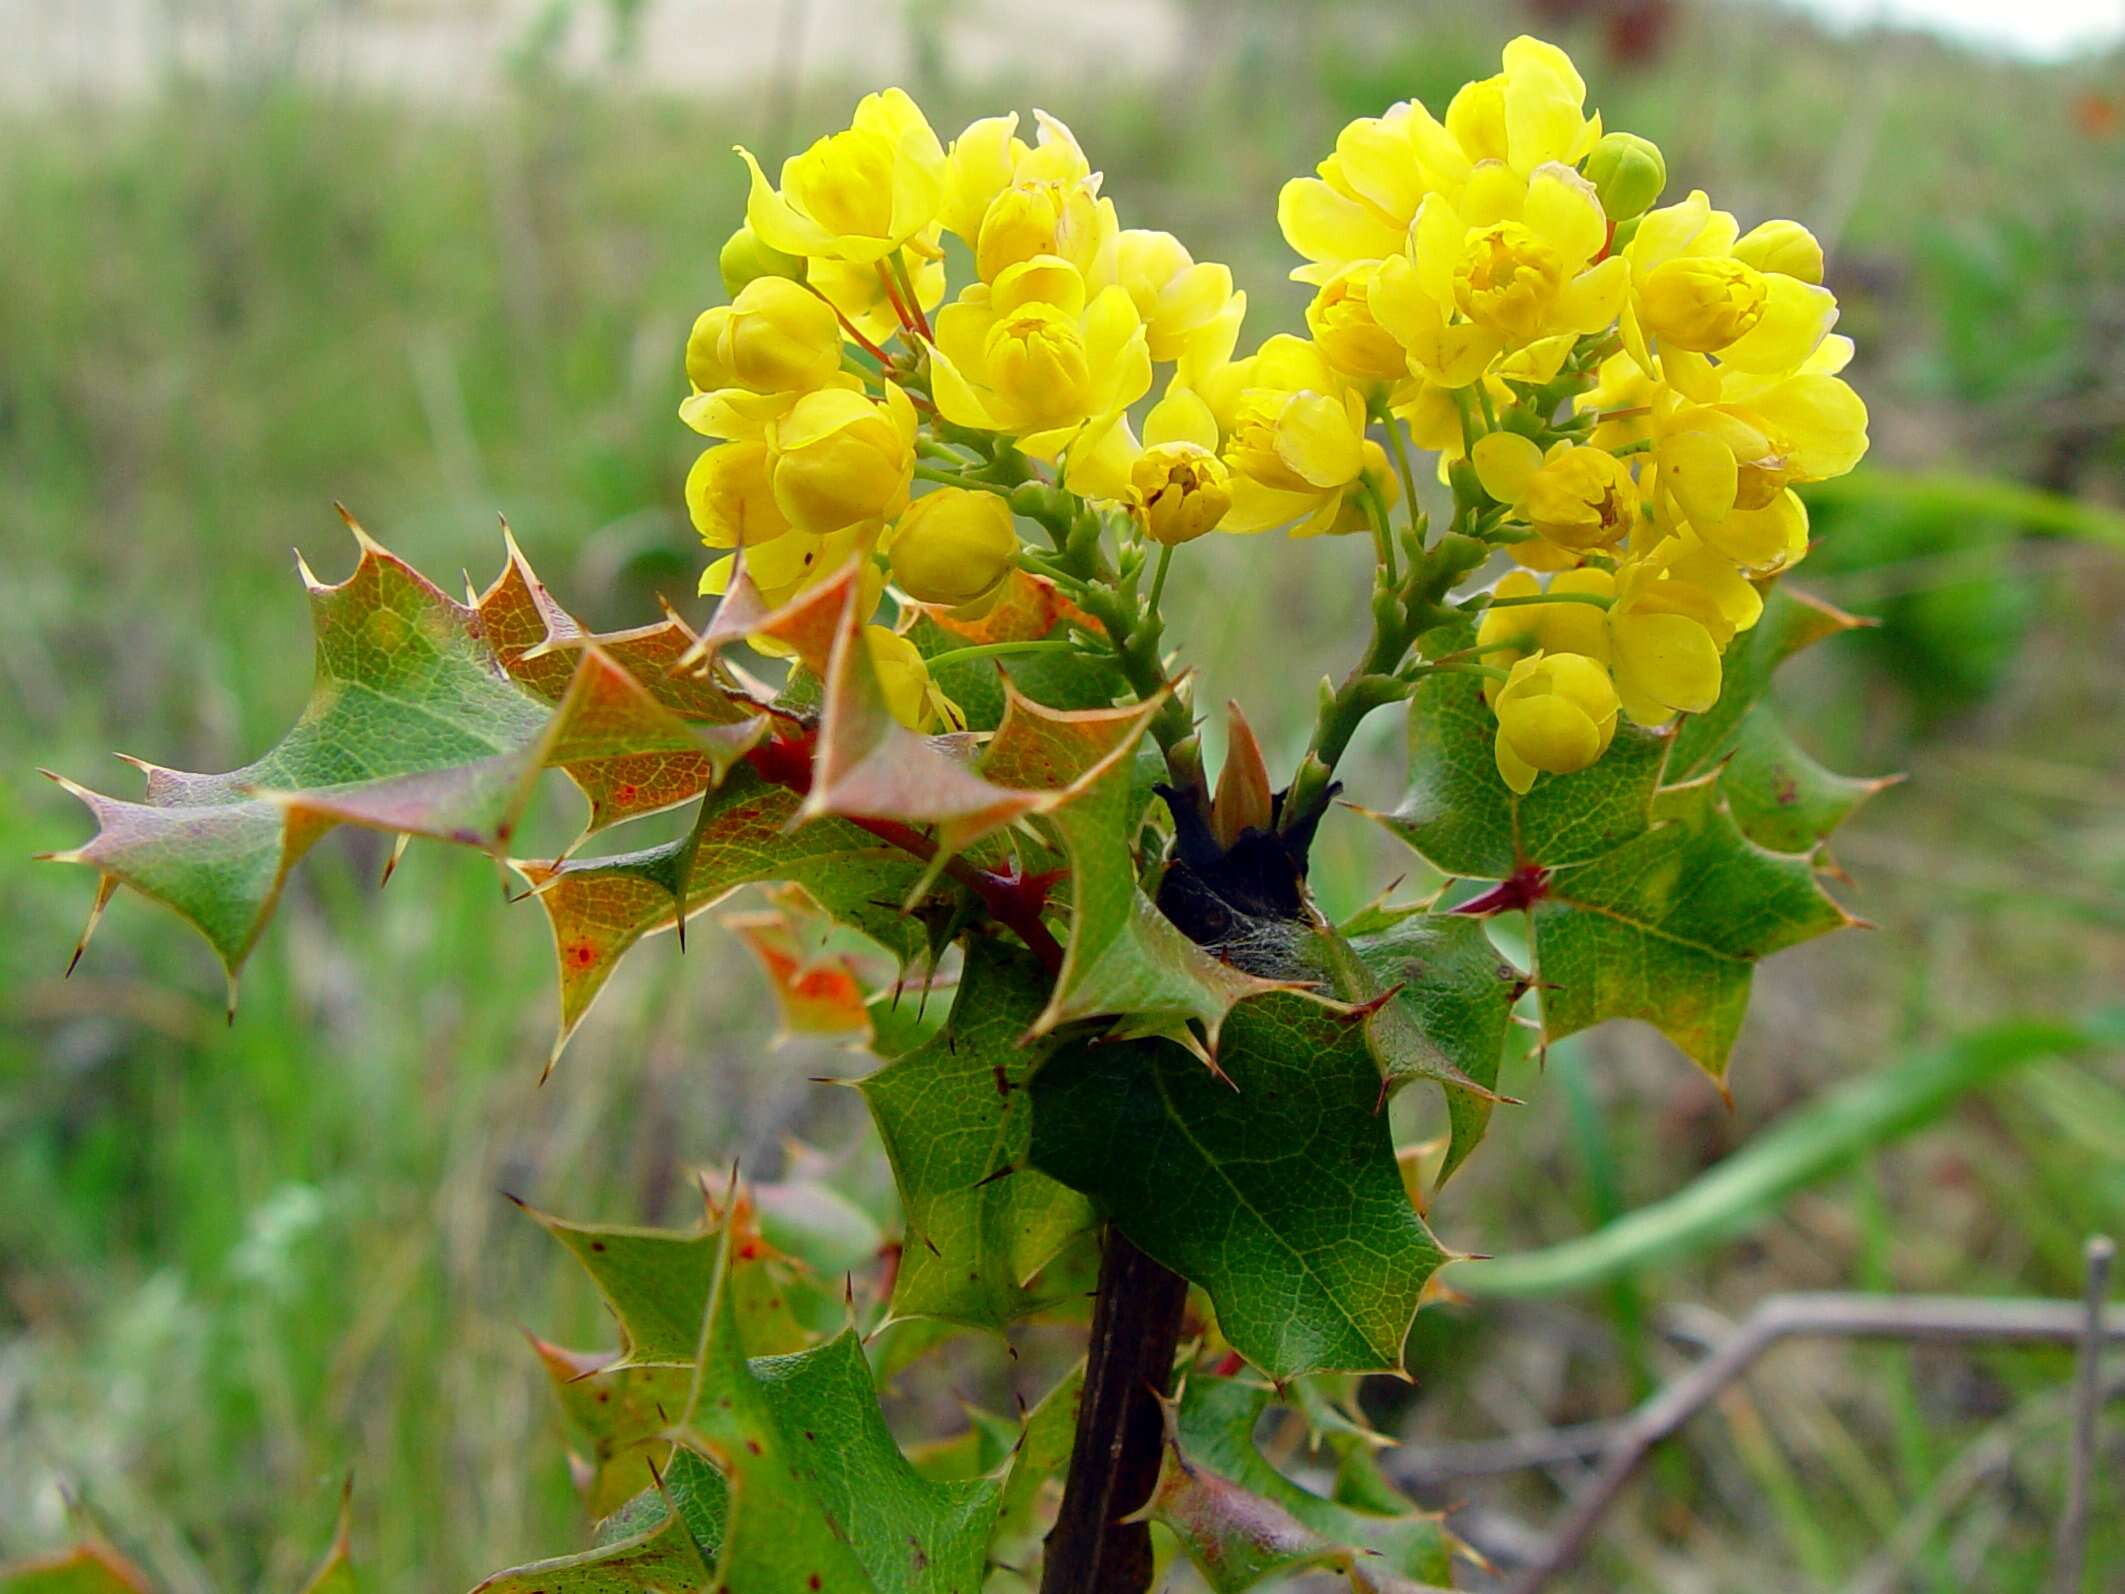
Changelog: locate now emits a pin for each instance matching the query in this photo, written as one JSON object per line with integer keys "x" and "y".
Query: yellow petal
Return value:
{"x": 774, "y": 222}
{"x": 1505, "y": 463}
{"x": 1664, "y": 659}
{"x": 1699, "y": 471}
{"x": 1320, "y": 440}
{"x": 1796, "y": 317}
{"x": 1563, "y": 210}
{"x": 1181, "y": 417}
{"x": 1517, "y": 773}
{"x": 1322, "y": 224}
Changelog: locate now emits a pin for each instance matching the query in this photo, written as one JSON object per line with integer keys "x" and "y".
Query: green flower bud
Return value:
{"x": 746, "y": 259}
{"x": 1628, "y": 173}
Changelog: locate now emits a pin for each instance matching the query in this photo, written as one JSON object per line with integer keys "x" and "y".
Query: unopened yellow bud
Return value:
{"x": 1556, "y": 714}
{"x": 1701, "y": 303}
{"x": 1628, "y": 173}
{"x": 1182, "y": 490}
{"x": 779, "y": 337}
{"x": 952, "y": 546}
{"x": 1066, "y": 220}
{"x": 840, "y": 457}
{"x": 744, "y": 258}
{"x": 1037, "y": 362}
{"x": 1781, "y": 246}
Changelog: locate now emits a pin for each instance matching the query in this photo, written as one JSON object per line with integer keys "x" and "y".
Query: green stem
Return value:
{"x": 1594, "y": 598}
{"x": 1158, "y": 576}
{"x": 953, "y": 478}
{"x": 1399, "y": 447}
{"x": 998, "y": 650}
{"x": 1382, "y": 539}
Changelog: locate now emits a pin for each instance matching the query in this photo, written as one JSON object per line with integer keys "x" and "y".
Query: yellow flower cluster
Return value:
{"x": 1636, "y": 390}
{"x": 1621, "y": 397}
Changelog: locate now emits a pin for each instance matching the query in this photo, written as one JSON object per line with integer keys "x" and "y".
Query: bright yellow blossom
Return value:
{"x": 1294, "y": 438}
{"x": 952, "y": 546}
{"x": 1575, "y": 497}
{"x": 1556, "y": 714}
{"x": 1506, "y": 636}
{"x": 911, "y": 697}
{"x": 1190, "y": 310}
{"x": 841, "y": 457}
{"x": 855, "y": 195}
{"x": 751, "y": 359}
{"x": 1031, "y": 356}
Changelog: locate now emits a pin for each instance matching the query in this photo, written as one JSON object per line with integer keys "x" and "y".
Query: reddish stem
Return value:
{"x": 1013, "y": 900}
{"x": 1526, "y": 886}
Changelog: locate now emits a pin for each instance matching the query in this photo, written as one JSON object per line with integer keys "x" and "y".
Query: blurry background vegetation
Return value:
{"x": 437, "y": 260}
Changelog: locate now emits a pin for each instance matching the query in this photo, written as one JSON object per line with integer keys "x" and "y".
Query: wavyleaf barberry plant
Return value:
{"x": 944, "y": 531}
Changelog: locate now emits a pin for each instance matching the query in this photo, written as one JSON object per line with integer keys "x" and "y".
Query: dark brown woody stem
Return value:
{"x": 1136, "y": 1329}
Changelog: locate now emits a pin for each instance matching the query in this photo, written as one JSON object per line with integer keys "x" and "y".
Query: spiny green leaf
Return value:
{"x": 1043, "y": 1453}
{"x": 1277, "y": 1192}
{"x": 1453, "y": 1000}
{"x": 88, "y": 1568}
{"x": 1465, "y": 821}
{"x": 335, "y": 1574}
{"x": 956, "y": 1122}
{"x": 1215, "y": 1429}
{"x": 415, "y": 725}
{"x": 818, "y": 1487}
{"x": 1669, "y": 928}
{"x": 622, "y": 1411}
{"x": 664, "y": 1558}
{"x": 600, "y": 907}
{"x": 656, "y": 1283}
{"x": 1782, "y": 798}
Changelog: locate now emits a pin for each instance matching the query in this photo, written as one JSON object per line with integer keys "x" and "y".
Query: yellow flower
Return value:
{"x": 1677, "y": 606}
{"x": 989, "y": 157}
{"x": 1343, "y": 327}
{"x": 840, "y": 457}
{"x": 1695, "y": 291}
{"x": 952, "y": 546}
{"x": 1726, "y": 468}
{"x": 1529, "y": 114}
{"x": 1190, "y": 310}
{"x": 1360, "y": 205}
{"x": 731, "y": 498}
{"x": 1506, "y": 636}
{"x": 1030, "y": 357}
{"x": 911, "y": 697}
{"x": 1556, "y": 714}
{"x": 1179, "y": 490}
{"x": 1294, "y": 438}
{"x": 855, "y": 195}
{"x": 751, "y": 359}
{"x": 1576, "y": 497}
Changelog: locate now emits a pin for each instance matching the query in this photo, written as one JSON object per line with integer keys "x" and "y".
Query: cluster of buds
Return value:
{"x": 1621, "y": 398}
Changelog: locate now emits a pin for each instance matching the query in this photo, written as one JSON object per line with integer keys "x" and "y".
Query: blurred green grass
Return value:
{"x": 238, "y": 1262}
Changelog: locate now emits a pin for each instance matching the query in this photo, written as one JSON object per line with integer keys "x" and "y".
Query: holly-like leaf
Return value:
{"x": 957, "y": 1124}
{"x": 541, "y": 645}
{"x": 1447, "y": 1018}
{"x": 1465, "y": 821}
{"x": 819, "y": 1490}
{"x": 1782, "y": 798}
{"x": 1241, "y": 1520}
{"x": 621, "y": 1414}
{"x": 656, "y": 1283}
{"x": 1669, "y": 928}
{"x": 665, "y": 1558}
{"x": 600, "y": 907}
{"x": 1275, "y": 1189}
{"x": 1124, "y": 957}
{"x": 415, "y": 725}
{"x": 92, "y": 1567}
